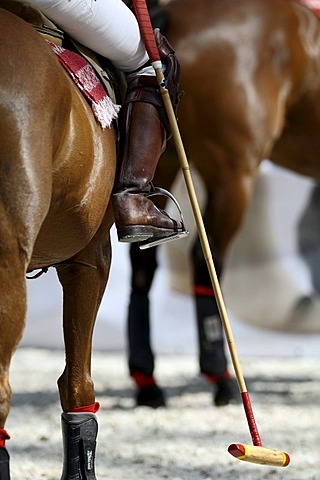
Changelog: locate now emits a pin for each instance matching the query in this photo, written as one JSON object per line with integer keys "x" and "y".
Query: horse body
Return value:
{"x": 251, "y": 82}
{"x": 62, "y": 170}
{"x": 57, "y": 168}
{"x": 250, "y": 72}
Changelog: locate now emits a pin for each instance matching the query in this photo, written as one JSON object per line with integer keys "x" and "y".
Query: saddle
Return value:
{"x": 30, "y": 14}
{"x": 110, "y": 78}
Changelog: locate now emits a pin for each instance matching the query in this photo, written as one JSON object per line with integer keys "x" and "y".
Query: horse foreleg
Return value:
{"x": 212, "y": 357}
{"x": 83, "y": 288}
{"x": 140, "y": 355}
{"x": 227, "y": 200}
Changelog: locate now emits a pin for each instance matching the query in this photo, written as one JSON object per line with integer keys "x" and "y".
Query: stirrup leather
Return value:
{"x": 153, "y": 242}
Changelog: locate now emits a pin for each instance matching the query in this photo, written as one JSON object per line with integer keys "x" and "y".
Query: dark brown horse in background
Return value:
{"x": 57, "y": 168}
{"x": 251, "y": 82}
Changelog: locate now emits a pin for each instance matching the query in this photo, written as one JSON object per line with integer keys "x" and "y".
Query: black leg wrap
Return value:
{"x": 211, "y": 343}
{"x": 4, "y": 464}
{"x": 143, "y": 267}
{"x": 141, "y": 357}
{"x": 79, "y": 432}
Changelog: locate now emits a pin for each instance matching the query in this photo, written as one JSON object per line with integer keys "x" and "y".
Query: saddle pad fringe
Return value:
{"x": 313, "y": 5}
{"x": 84, "y": 76}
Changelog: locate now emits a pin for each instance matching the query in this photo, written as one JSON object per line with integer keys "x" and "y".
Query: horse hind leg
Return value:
{"x": 12, "y": 321}
{"x": 83, "y": 288}
{"x": 78, "y": 419}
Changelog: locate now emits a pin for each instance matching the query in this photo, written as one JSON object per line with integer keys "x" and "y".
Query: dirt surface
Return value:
{"x": 186, "y": 441}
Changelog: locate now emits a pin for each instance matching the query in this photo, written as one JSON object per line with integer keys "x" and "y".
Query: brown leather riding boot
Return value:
{"x": 144, "y": 134}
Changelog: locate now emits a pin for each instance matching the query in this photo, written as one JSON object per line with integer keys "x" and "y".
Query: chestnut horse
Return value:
{"x": 57, "y": 168}
{"x": 251, "y": 81}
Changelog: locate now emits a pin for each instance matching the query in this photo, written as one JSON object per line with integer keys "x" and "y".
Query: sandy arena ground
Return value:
{"x": 186, "y": 441}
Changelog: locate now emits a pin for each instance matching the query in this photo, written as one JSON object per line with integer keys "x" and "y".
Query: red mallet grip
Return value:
{"x": 250, "y": 419}
{"x": 146, "y": 29}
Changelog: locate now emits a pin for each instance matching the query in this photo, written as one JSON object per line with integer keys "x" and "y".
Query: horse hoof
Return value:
{"x": 4, "y": 464}
{"x": 226, "y": 393}
{"x": 151, "y": 396}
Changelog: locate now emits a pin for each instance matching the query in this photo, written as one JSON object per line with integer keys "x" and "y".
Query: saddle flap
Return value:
{"x": 30, "y": 14}
{"x": 51, "y": 32}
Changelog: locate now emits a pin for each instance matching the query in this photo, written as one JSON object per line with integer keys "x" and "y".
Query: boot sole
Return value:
{"x": 141, "y": 233}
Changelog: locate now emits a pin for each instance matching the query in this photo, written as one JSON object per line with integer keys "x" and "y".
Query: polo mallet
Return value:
{"x": 255, "y": 453}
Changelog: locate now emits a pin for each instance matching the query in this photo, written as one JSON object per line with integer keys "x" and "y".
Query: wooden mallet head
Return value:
{"x": 260, "y": 455}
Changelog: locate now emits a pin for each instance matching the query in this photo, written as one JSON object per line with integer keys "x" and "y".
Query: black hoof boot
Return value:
{"x": 79, "y": 432}
{"x": 4, "y": 464}
{"x": 226, "y": 393}
{"x": 150, "y": 396}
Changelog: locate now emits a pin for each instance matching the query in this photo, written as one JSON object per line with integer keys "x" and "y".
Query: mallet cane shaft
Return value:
{"x": 255, "y": 453}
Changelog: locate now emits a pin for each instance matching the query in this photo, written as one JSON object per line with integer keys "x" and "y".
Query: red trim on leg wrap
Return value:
{"x": 218, "y": 378}
{"x": 203, "y": 291}
{"x": 4, "y": 435}
{"x": 143, "y": 380}
{"x": 93, "y": 408}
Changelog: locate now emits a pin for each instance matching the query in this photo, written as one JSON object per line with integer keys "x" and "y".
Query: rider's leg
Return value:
{"x": 107, "y": 27}
{"x": 110, "y": 28}
{"x": 144, "y": 131}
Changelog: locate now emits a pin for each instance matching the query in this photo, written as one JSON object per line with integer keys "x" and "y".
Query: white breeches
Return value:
{"x": 107, "y": 27}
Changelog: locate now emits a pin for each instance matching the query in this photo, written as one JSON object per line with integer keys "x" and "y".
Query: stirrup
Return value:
{"x": 152, "y": 241}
